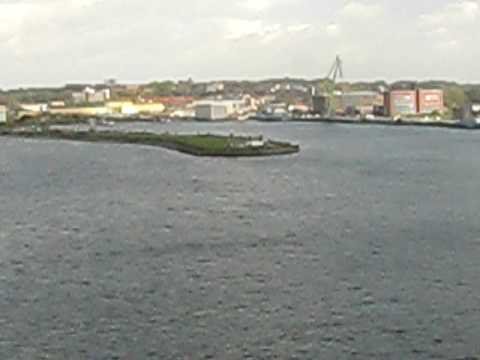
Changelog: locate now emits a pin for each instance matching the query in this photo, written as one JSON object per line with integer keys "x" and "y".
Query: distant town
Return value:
{"x": 269, "y": 100}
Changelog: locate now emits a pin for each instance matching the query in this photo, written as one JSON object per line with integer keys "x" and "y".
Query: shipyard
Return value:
{"x": 325, "y": 100}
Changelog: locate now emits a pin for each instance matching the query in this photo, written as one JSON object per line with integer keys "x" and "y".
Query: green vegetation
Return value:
{"x": 455, "y": 97}
{"x": 164, "y": 88}
{"x": 199, "y": 145}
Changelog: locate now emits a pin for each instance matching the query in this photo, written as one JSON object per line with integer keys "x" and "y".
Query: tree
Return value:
{"x": 455, "y": 97}
{"x": 473, "y": 94}
{"x": 164, "y": 88}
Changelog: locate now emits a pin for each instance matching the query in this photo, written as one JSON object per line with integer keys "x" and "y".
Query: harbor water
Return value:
{"x": 365, "y": 245}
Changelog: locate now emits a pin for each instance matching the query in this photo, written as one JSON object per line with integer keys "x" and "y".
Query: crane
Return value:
{"x": 323, "y": 104}
{"x": 336, "y": 71}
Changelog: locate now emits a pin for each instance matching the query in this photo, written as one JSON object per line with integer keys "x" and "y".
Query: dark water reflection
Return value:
{"x": 366, "y": 245}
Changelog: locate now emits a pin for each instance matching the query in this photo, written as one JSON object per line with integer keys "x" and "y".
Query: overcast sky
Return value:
{"x": 51, "y": 42}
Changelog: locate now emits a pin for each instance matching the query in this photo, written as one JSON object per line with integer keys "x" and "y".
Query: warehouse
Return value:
{"x": 401, "y": 102}
{"x": 212, "y": 111}
{"x": 429, "y": 101}
{"x": 361, "y": 102}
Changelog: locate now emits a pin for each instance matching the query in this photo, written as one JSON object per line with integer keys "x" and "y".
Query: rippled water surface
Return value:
{"x": 366, "y": 245}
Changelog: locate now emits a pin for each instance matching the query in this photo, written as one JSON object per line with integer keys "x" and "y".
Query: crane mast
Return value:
{"x": 336, "y": 71}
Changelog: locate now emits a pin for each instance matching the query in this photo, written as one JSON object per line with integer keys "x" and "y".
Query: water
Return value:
{"x": 366, "y": 245}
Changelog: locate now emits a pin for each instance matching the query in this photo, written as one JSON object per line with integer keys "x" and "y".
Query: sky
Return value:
{"x": 53, "y": 42}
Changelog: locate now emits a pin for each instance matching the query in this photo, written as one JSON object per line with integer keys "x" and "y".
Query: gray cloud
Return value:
{"x": 57, "y": 41}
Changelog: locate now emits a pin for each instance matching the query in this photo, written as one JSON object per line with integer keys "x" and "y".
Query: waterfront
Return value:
{"x": 364, "y": 246}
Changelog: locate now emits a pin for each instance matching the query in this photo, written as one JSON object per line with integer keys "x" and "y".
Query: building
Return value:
{"x": 359, "y": 102}
{"x": 56, "y": 104}
{"x": 34, "y": 108}
{"x": 215, "y": 87}
{"x": 174, "y": 102}
{"x": 401, "y": 102}
{"x": 79, "y": 97}
{"x": 429, "y": 101}
{"x": 298, "y": 108}
{"x": 321, "y": 104}
{"x": 233, "y": 106}
{"x": 476, "y": 110}
{"x": 91, "y": 95}
{"x": 129, "y": 108}
{"x": 212, "y": 111}
{"x": 413, "y": 102}
{"x": 3, "y": 114}
{"x": 80, "y": 111}
{"x": 145, "y": 109}
{"x": 183, "y": 113}
{"x": 99, "y": 96}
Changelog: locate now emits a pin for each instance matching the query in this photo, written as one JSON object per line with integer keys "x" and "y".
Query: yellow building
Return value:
{"x": 82, "y": 111}
{"x": 129, "y": 108}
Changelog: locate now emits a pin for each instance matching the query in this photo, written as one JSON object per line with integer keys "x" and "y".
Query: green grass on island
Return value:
{"x": 199, "y": 145}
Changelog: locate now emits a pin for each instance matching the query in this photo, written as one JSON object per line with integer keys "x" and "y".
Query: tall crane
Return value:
{"x": 336, "y": 71}
{"x": 324, "y": 103}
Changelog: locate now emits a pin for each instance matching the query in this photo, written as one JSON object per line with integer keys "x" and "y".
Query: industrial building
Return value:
{"x": 3, "y": 114}
{"x": 401, "y": 102}
{"x": 215, "y": 109}
{"x": 413, "y": 102}
{"x": 321, "y": 104}
{"x": 359, "y": 102}
{"x": 212, "y": 111}
{"x": 429, "y": 101}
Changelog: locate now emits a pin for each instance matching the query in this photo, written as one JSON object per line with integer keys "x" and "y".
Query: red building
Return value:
{"x": 412, "y": 102}
{"x": 401, "y": 102}
{"x": 429, "y": 101}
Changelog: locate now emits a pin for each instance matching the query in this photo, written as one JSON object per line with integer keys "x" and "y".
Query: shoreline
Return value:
{"x": 102, "y": 120}
{"x": 402, "y": 123}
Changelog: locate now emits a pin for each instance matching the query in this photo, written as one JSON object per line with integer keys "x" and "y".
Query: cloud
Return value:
{"x": 451, "y": 25}
{"x": 333, "y": 30}
{"x": 256, "y": 5}
{"x": 361, "y": 10}
{"x": 257, "y": 30}
{"x": 237, "y": 29}
{"x": 458, "y": 12}
{"x": 57, "y": 41}
{"x": 299, "y": 28}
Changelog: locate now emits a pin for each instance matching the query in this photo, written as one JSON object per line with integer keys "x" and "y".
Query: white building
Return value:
{"x": 91, "y": 95}
{"x": 232, "y": 107}
{"x": 476, "y": 110}
{"x": 3, "y": 114}
{"x": 214, "y": 87}
{"x": 34, "y": 108}
{"x": 212, "y": 111}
